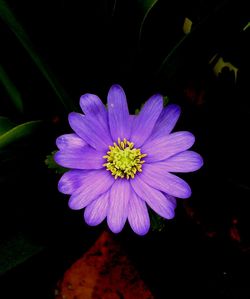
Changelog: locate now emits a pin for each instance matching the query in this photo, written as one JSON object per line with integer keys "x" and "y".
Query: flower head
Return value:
{"x": 121, "y": 163}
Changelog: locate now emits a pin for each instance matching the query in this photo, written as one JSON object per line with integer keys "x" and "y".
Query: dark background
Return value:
{"x": 89, "y": 45}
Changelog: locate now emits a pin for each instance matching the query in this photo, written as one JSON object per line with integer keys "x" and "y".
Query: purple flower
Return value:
{"x": 122, "y": 163}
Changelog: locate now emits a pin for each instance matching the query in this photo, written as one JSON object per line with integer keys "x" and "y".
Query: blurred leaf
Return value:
{"x": 137, "y": 111}
{"x": 187, "y": 26}
{"x": 9, "y": 18}
{"x": 18, "y": 132}
{"x": 114, "y": 7}
{"x": 157, "y": 222}
{"x": 16, "y": 250}
{"x": 51, "y": 163}
{"x": 5, "y": 125}
{"x": 220, "y": 64}
{"x": 169, "y": 63}
{"x": 165, "y": 101}
{"x": 145, "y": 7}
{"x": 11, "y": 90}
{"x": 246, "y": 27}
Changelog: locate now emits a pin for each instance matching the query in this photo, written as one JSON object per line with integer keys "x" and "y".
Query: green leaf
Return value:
{"x": 165, "y": 101}
{"x": 17, "y": 250}
{"x": 246, "y": 26}
{"x": 11, "y": 89}
{"x": 157, "y": 222}
{"x": 5, "y": 125}
{"x": 9, "y": 18}
{"x": 145, "y": 7}
{"x": 219, "y": 64}
{"x": 51, "y": 163}
{"x": 170, "y": 61}
{"x": 18, "y": 132}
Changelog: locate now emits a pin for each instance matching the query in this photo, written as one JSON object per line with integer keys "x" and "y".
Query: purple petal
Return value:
{"x": 132, "y": 118}
{"x": 97, "y": 210}
{"x": 90, "y": 130}
{"x": 138, "y": 217}
{"x": 71, "y": 181}
{"x": 166, "y": 121}
{"x": 172, "y": 199}
{"x": 164, "y": 147}
{"x": 154, "y": 198}
{"x": 119, "y": 201}
{"x": 86, "y": 158}
{"x": 93, "y": 185}
{"x": 69, "y": 141}
{"x": 144, "y": 123}
{"x": 183, "y": 162}
{"x": 92, "y": 106}
{"x": 119, "y": 119}
{"x": 156, "y": 176}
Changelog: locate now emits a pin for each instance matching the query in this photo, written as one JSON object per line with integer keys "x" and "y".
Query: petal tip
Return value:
{"x": 154, "y": 99}
{"x": 89, "y": 220}
{"x": 116, "y": 86}
{"x": 61, "y": 187}
{"x": 171, "y": 215}
{"x": 157, "y": 96}
{"x": 190, "y": 139}
{"x": 200, "y": 161}
{"x": 74, "y": 203}
{"x": 187, "y": 193}
{"x": 115, "y": 90}
{"x": 114, "y": 229}
{"x": 174, "y": 107}
{"x": 87, "y": 100}
{"x": 56, "y": 157}
{"x": 85, "y": 97}
{"x": 114, "y": 225}
{"x": 142, "y": 231}
{"x": 72, "y": 117}
{"x": 58, "y": 141}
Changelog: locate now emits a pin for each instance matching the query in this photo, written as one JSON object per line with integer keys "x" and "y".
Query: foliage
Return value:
{"x": 10, "y": 133}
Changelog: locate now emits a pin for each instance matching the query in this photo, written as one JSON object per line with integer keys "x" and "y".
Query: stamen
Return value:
{"x": 123, "y": 160}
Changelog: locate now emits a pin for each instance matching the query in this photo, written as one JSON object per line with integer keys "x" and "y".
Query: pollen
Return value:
{"x": 124, "y": 160}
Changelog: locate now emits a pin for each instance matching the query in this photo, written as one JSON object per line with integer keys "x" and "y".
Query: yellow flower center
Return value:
{"x": 123, "y": 160}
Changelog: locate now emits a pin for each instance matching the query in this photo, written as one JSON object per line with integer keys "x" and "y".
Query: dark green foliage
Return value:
{"x": 17, "y": 250}
{"x": 11, "y": 21}
{"x": 11, "y": 89}
{"x": 10, "y": 133}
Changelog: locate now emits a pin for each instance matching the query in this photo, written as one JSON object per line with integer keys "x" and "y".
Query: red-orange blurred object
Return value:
{"x": 104, "y": 272}
{"x": 234, "y": 232}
